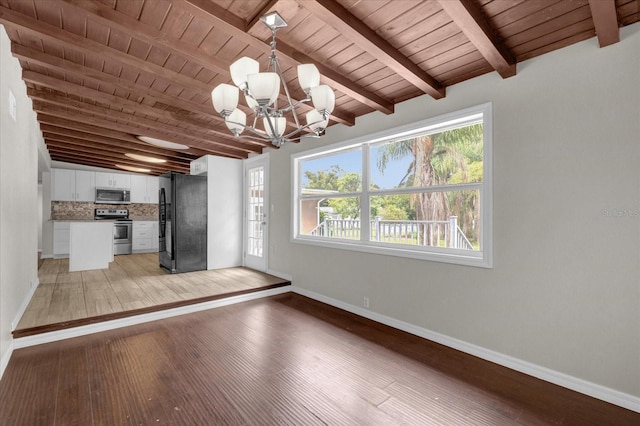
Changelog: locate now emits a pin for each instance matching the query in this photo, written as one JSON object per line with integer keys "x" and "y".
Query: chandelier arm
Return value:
{"x": 300, "y": 129}
{"x": 264, "y": 136}
{"x": 255, "y": 138}
{"x": 292, "y": 106}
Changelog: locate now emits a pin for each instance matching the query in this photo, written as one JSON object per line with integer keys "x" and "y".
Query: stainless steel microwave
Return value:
{"x": 113, "y": 196}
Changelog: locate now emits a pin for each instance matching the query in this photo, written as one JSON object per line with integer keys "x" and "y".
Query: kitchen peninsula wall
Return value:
{"x": 70, "y": 210}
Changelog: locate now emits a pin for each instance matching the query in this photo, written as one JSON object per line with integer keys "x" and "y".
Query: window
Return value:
{"x": 421, "y": 191}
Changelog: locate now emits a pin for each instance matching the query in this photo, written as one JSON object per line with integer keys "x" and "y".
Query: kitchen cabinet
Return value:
{"x": 85, "y": 186}
{"x": 91, "y": 245}
{"x": 72, "y": 185}
{"x": 145, "y": 236}
{"x": 61, "y": 231}
{"x": 144, "y": 189}
{"x": 113, "y": 180}
{"x": 155, "y": 242}
{"x": 63, "y": 185}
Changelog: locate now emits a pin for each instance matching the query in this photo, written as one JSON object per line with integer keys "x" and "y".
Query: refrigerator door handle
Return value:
{"x": 163, "y": 213}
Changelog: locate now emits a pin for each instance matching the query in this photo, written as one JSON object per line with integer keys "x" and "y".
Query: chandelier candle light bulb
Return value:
{"x": 236, "y": 121}
{"x": 264, "y": 87}
{"x": 261, "y": 92}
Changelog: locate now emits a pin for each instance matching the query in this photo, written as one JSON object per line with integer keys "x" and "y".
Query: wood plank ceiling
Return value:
{"x": 101, "y": 72}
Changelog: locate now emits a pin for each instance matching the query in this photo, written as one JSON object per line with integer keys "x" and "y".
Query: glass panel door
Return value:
{"x": 255, "y": 242}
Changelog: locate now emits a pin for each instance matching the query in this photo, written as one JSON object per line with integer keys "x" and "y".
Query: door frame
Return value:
{"x": 249, "y": 163}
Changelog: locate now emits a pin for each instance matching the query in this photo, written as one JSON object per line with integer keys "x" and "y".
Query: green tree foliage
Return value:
{"x": 449, "y": 157}
{"x": 322, "y": 179}
{"x": 336, "y": 179}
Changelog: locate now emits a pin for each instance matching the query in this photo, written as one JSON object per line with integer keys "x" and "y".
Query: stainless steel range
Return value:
{"x": 122, "y": 228}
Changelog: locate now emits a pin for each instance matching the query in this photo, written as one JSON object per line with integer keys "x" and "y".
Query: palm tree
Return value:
{"x": 435, "y": 159}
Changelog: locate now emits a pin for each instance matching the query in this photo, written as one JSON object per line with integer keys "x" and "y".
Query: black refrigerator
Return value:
{"x": 183, "y": 222}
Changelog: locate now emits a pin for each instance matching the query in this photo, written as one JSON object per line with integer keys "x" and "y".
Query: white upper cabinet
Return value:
{"x": 144, "y": 189}
{"x": 85, "y": 186}
{"x": 113, "y": 180}
{"x": 73, "y": 185}
{"x": 153, "y": 187}
{"x": 63, "y": 185}
{"x": 138, "y": 189}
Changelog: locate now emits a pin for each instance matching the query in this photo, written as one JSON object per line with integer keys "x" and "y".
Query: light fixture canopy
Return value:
{"x": 261, "y": 92}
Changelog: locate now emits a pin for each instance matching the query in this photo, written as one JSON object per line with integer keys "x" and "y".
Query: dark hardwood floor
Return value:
{"x": 280, "y": 360}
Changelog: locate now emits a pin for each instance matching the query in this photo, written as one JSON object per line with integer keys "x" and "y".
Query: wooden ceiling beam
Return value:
{"x": 80, "y": 143}
{"x": 82, "y": 117}
{"x": 605, "y": 19}
{"x": 108, "y": 157}
{"x": 75, "y": 42}
{"x": 208, "y": 11}
{"x": 90, "y": 129}
{"x": 328, "y": 75}
{"x": 58, "y": 125}
{"x": 65, "y": 66}
{"x": 72, "y": 107}
{"x": 336, "y": 16}
{"x": 99, "y": 155}
{"x": 198, "y": 128}
{"x": 339, "y": 82}
{"x": 199, "y": 140}
{"x": 147, "y": 33}
{"x": 472, "y": 22}
{"x": 137, "y": 147}
{"x": 71, "y": 156}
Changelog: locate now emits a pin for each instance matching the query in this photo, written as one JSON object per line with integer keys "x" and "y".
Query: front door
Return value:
{"x": 256, "y": 202}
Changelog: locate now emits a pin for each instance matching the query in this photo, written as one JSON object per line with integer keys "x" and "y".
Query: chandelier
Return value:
{"x": 261, "y": 92}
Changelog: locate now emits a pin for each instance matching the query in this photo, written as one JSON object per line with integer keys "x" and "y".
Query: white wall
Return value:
{"x": 224, "y": 227}
{"x": 564, "y": 292}
{"x": 224, "y": 209}
{"x": 20, "y": 142}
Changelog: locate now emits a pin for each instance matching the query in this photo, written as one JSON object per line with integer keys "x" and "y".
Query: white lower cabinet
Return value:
{"x": 61, "y": 239}
{"x": 145, "y": 236}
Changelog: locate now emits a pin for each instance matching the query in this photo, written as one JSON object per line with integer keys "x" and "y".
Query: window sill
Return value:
{"x": 452, "y": 256}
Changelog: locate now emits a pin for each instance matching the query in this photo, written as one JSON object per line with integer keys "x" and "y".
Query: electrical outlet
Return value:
{"x": 365, "y": 302}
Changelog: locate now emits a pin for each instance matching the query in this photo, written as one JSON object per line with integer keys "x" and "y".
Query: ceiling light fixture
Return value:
{"x": 162, "y": 143}
{"x": 133, "y": 169}
{"x": 145, "y": 158}
{"x": 261, "y": 91}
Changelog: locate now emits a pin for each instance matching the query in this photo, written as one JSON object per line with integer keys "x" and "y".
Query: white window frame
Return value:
{"x": 482, "y": 258}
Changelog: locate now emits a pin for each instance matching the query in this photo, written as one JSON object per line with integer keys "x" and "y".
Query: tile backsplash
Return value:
{"x": 69, "y": 210}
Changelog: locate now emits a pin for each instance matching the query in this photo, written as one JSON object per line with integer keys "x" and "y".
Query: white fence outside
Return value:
{"x": 434, "y": 233}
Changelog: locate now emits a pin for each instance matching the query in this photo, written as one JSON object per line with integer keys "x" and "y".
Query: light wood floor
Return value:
{"x": 132, "y": 283}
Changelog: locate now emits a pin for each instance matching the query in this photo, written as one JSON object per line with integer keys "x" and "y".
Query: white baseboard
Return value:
{"x": 279, "y": 274}
{"x": 25, "y": 303}
{"x": 4, "y": 361}
{"x": 69, "y": 333}
{"x": 603, "y": 393}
